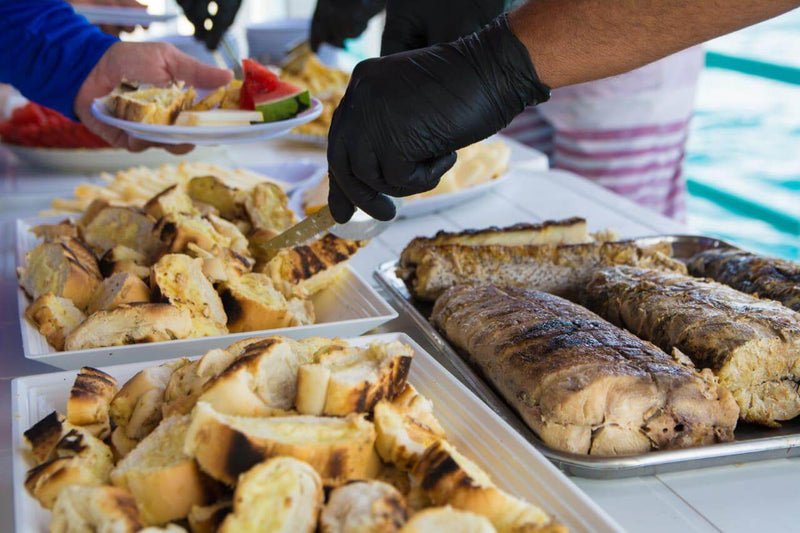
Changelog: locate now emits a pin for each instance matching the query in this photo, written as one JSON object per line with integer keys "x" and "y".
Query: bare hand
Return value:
{"x": 156, "y": 63}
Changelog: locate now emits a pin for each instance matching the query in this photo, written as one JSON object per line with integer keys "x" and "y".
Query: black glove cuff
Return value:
{"x": 496, "y": 52}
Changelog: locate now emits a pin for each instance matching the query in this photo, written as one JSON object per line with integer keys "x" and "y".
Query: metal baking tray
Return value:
{"x": 752, "y": 443}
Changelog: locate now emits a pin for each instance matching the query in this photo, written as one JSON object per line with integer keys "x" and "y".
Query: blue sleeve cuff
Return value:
{"x": 54, "y": 51}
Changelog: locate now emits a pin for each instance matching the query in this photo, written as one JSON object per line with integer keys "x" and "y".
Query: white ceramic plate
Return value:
{"x": 105, "y": 159}
{"x": 121, "y": 16}
{"x": 315, "y": 140}
{"x": 513, "y": 463}
{"x": 206, "y": 134}
{"x": 347, "y": 308}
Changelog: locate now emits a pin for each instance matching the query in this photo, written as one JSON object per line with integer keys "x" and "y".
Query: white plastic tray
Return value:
{"x": 349, "y": 307}
{"x": 513, "y": 463}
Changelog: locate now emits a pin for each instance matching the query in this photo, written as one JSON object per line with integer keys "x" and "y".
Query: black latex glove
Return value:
{"x": 337, "y": 20}
{"x": 404, "y": 115}
{"x": 412, "y": 24}
{"x": 197, "y": 12}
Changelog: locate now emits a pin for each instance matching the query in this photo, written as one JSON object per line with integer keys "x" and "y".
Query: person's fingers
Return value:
{"x": 186, "y": 68}
{"x": 400, "y": 35}
{"x": 342, "y": 209}
{"x": 424, "y": 176}
{"x": 359, "y": 193}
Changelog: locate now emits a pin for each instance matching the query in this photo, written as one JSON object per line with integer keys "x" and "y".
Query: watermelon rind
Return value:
{"x": 285, "y": 107}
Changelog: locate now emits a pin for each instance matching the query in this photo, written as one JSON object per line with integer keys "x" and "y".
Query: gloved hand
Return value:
{"x": 412, "y": 24}
{"x": 197, "y": 12}
{"x": 404, "y": 115}
{"x": 337, "y": 20}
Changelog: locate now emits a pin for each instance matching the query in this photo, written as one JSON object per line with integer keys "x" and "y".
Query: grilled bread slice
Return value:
{"x": 53, "y": 232}
{"x": 252, "y": 303}
{"x": 130, "y": 324}
{"x": 212, "y": 191}
{"x": 136, "y": 408}
{"x": 208, "y": 518}
{"x": 405, "y": 427}
{"x": 179, "y": 279}
{"x": 261, "y": 380}
{"x": 345, "y": 380}
{"x": 553, "y": 232}
{"x": 339, "y": 449}
{"x": 282, "y": 495}
{"x": 89, "y": 401}
{"x": 221, "y": 265}
{"x": 305, "y": 270}
{"x": 86, "y": 509}
{"x": 164, "y": 480}
{"x": 363, "y": 507}
{"x": 80, "y": 459}
{"x": 187, "y": 382}
{"x": 171, "y": 200}
{"x": 126, "y": 226}
{"x": 64, "y": 267}
{"x": 123, "y": 259}
{"x": 267, "y": 208}
{"x": 178, "y": 230}
{"x": 229, "y": 230}
{"x": 148, "y": 104}
{"x": 54, "y": 317}
{"x": 563, "y": 270}
{"x": 437, "y": 519}
{"x": 751, "y": 345}
{"x": 120, "y": 288}
{"x": 44, "y": 435}
{"x": 449, "y": 478}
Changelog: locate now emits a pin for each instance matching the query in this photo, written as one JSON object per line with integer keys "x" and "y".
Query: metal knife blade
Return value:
{"x": 360, "y": 227}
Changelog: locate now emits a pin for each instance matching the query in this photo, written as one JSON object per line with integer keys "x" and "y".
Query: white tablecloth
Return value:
{"x": 742, "y": 498}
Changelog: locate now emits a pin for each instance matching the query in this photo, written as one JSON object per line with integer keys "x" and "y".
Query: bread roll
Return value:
{"x": 88, "y": 509}
{"x": 363, "y": 507}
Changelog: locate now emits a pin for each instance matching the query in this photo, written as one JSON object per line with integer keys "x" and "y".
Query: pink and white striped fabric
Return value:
{"x": 626, "y": 133}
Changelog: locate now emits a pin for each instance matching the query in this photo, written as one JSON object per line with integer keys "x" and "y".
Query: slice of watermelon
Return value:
{"x": 258, "y": 79}
{"x": 284, "y": 102}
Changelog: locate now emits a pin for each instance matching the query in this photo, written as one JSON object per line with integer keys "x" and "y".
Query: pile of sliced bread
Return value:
{"x": 190, "y": 263}
{"x": 270, "y": 434}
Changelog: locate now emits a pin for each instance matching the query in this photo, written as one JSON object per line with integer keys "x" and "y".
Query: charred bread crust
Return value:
{"x": 540, "y": 233}
{"x": 307, "y": 269}
{"x": 223, "y": 447}
{"x": 124, "y": 259}
{"x": 45, "y": 434}
{"x": 89, "y": 401}
{"x": 252, "y": 303}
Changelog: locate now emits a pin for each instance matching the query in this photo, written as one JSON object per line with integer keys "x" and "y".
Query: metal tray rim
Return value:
{"x": 604, "y": 467}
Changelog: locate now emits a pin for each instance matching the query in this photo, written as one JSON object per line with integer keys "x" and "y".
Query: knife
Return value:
{"x": 360, "y": 228}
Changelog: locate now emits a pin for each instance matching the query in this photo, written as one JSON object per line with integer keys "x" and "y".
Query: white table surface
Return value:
{"x": 739, "y": 498}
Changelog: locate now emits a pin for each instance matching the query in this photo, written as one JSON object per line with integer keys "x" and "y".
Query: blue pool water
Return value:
{"x": 743, "y": 156}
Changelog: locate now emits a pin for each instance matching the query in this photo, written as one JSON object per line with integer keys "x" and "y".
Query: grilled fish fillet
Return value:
{"x": 582, "y": 384}
{"x": 767, "y": 277}
{"x": 751, "y": 345}
{"x": 429, "y": 270}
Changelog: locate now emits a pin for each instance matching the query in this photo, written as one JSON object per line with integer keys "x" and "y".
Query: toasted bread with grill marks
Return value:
{"x": 126, "y": 226}
{"x": 449, "y": 478}
{"x": 171, "y": 200}
{"x": 339, "y": 449}
{"x": 305, "y": 270}
{"x": 148, "y": 104}
{"x": 252, "y": 303}
{"x": 44, "y": 435}
{"x": 363, "y": 507}
{"x": 89, "y": 401}
{"x": 118, "y": 289}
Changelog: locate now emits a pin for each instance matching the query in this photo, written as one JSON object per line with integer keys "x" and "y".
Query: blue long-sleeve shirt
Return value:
{"x": 47, "y": 50}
